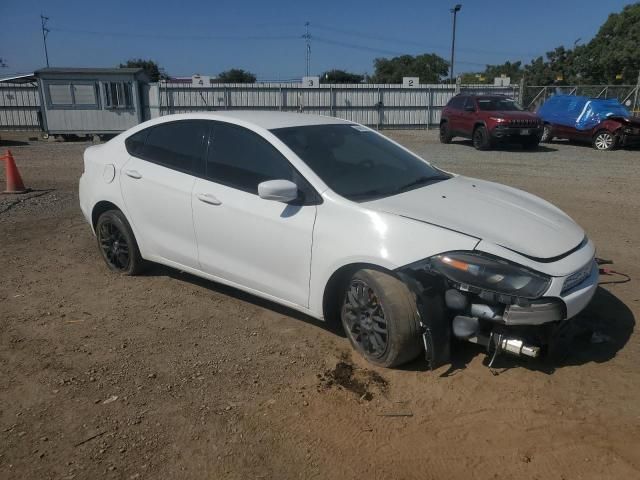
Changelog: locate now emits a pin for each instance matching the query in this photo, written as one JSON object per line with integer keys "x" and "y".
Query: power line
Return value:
{"x": 175, "y": 37}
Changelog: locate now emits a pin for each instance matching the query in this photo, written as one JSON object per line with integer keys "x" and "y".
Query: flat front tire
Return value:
{"x": 117, "y": 243}
{"x": 380, "y": 317}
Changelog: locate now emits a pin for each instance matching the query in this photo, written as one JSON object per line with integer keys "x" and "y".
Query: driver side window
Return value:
{"x": 239, "y": 158}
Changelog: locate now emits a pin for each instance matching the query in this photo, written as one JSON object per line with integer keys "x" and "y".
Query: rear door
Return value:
{"x": 259, "y": 244}
{"x": 157, "y": 183}
{"x": 455, "y": 110}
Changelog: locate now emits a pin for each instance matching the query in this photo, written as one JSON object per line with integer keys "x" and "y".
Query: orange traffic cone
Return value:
{"x": 14, "y": 180}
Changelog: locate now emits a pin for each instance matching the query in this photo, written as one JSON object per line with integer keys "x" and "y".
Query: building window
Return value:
{"x": 72, "y": 95}
{"x": 118, "y": 95}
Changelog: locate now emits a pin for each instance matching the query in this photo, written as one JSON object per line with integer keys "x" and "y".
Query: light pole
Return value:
{"x": 45, "y": 32}
{"x": 455, "y": 11}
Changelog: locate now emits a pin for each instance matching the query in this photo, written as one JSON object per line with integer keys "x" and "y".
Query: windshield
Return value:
{"x": 498, "y": 105}
{"x": 356, "y": 162}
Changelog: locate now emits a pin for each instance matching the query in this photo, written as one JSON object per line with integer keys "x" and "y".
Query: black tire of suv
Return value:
{"x": 445, "y": 134}
{"x": 117, "y": 222}
{"x": 480, "y": 138}
{"x": 605, "y": 140}
{"x": 546, "y": 134}
{"x": 400, "y": 311}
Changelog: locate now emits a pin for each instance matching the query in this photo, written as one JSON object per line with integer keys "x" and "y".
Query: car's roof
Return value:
{"x": 267, "y": 120}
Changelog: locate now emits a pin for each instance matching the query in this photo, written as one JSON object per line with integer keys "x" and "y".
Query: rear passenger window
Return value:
{"x": 241, "y": 159}
{"x": 176, "y": 145}
{"x": 135, "y": 142}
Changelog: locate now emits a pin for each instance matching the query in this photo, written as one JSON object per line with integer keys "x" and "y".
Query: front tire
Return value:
{"x": 118, "y": 244}
{"x": 380, "y": 317}
{"x": 481, "y": 140}
{"x": 547, "y": 136}
{"x": 604, "y": 140}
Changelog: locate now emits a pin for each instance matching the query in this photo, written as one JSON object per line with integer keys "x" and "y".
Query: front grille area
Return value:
{"x": 524, "y": 123}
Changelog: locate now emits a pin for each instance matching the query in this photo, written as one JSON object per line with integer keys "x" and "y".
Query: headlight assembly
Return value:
{"x": 489, "y": 273}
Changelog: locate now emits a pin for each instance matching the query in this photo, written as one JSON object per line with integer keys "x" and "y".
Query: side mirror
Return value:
{"x": 284, "y": 191}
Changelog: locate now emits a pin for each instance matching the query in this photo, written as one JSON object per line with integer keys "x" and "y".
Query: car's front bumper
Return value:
{"x": 513, "y": 133}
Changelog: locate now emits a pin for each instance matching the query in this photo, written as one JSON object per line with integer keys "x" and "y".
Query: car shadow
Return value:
{"x": 510, "y": 147}
{"x": 157, "y": 270}
{"x": 599, "y": 333}
{"x": 13, "y": 143}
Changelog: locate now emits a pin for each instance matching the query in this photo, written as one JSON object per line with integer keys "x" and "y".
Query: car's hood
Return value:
{"x": 631, "y": 121}
{"x": 488, "y": 211}
{"x": 514, "y": 115}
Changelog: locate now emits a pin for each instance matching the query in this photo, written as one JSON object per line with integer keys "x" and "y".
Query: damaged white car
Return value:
{"x": 333, "y": 219}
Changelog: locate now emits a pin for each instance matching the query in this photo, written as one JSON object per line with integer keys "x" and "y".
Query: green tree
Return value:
{"x": 340, "y": 76}
{"x": 429, "y": 67}
{"x": 150, "y": 67}
{"x": 236, "y": 75}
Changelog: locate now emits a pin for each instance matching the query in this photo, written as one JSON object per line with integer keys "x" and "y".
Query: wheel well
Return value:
{"x": 99, "y": 208}
{"x": 331, "y": 300}
{"x": 478, "y": 124}
{"x": 443, "y": 120}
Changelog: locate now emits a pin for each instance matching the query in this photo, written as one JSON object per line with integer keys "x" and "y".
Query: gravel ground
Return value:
{"x": 169, "y": 376}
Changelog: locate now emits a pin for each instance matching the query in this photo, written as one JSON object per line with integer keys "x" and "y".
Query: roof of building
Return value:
{"x": 22, "y": 78}
{"x": 266, "y": 120}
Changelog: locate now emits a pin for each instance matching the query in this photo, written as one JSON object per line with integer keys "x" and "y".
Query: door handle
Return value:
{"x": 208, "y": 198}
{"x": 133, "y": 174}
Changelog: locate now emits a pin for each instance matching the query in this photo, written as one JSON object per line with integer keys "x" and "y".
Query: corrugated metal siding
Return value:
{"x": 19, "y": 107}
{"x": 370, "y": 104}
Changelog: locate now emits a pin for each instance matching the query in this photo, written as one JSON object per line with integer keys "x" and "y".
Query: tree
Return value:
{"x": 429, "y": 67}
{"x": 150, "y": 67}
{"x": 340, "y": 76}
{"x": 511, "y": 70}
{"x": 236, "y": 75}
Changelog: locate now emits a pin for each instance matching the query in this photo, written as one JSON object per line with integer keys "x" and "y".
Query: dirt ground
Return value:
{"x": 168, "y": 376}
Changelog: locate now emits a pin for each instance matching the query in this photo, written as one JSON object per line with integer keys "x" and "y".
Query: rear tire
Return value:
{"x": 481, "y": 140}
{"x": 117, "y": 243}
{"x": 445, "y": 134}
{"x": 604, "y": 140}
{"x": 380, "y": 317}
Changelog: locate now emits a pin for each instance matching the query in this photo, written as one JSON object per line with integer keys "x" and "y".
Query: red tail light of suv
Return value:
{"x": 488, "y": 120}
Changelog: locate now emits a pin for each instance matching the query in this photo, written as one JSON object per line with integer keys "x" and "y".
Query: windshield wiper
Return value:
{"x": 420, "y": 182}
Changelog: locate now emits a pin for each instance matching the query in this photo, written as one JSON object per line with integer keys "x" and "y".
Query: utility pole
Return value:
{"x": 45, "y": 32}
{"x": 307, "y": 37}
{"x": 636, "y": 96}
{"x": 455, "y": 11}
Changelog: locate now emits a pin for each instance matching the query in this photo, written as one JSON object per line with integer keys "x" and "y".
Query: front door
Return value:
{"x": 258, "y": 244}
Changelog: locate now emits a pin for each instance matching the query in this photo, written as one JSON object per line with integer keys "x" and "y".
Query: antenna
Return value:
{"x": 307, "y": 37}
{"x": 45, "y": 33}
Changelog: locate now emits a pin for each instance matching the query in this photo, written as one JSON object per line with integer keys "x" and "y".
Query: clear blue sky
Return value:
{"x": 264, "y": 36}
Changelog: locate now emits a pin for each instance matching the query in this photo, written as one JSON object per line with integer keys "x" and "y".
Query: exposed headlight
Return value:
{"x": 489, "y": 273}
{"x": 498, "y": 119}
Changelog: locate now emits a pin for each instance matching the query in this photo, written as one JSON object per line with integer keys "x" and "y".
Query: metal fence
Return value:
{"x": 382, "y": 106}
{"x": 20, "y": 106}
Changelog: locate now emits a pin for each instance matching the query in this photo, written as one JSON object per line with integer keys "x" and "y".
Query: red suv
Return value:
{"x": 489, "y": 119}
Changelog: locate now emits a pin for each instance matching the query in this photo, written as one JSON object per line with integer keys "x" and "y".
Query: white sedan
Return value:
{"x": 333, "y": 219}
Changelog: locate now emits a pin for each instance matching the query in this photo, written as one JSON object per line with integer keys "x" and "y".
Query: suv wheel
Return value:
{"x": 445, "y": 134}
{"x": 546, "y": 134}
{"x": 481, "y": 139}
{"x": 604, "y": 140}
{"x": 380, "y": 317}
